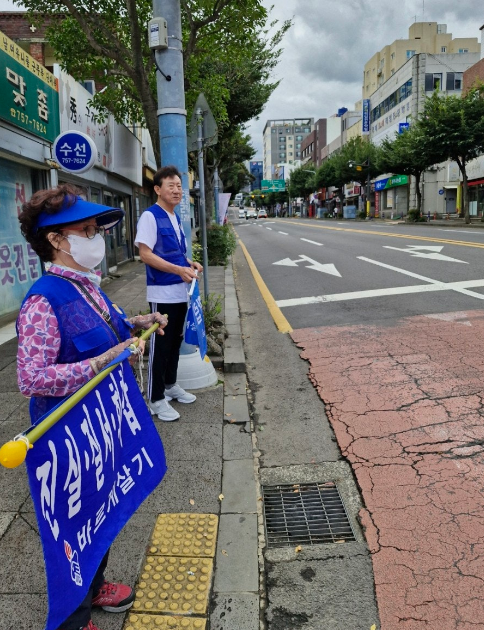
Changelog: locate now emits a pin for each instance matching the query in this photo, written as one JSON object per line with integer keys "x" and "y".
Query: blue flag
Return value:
{"x": 195, "y": 327}
{"x": 88, "y": 474}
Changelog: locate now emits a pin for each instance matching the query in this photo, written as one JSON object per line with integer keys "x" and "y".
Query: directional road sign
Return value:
{"x": 273, "y": 185}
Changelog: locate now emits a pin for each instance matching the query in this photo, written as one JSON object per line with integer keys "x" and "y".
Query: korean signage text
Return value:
{"x": 365, "y": 130}
{"x": 30, "y": 98}
{"x": 391, "y": 182}
{"x": 273, "y": 185}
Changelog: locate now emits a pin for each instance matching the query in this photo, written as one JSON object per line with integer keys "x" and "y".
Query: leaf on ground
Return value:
{"x": 192, "y": 502}
{"x": 260, "y": 428}
{"x": 224, "y": 552}
{"x": 228, "y": 414}
{"x": 221, "y": 497}
{"x": 298, "y": 549}
{"x": 339, "y": 541}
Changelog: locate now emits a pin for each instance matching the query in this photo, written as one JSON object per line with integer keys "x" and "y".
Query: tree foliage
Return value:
{"x": 301, "y": 181}
{"x": 229, "y": 52}
{"x": 408, "y": 153}
{"x": 454, "y": 126}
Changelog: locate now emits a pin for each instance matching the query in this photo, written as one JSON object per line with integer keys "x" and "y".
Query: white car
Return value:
{"x": 262, "y": 214}
{"x": 251, "y": 214}
{"x": 241, "y": 213}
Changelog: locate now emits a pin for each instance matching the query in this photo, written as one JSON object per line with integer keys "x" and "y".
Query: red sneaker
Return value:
{"x": 90, "y": 626}
{"x": 114, "y": 597}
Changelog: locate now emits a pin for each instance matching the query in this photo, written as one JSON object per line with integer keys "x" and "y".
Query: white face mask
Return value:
{"x": 87, "y": 252}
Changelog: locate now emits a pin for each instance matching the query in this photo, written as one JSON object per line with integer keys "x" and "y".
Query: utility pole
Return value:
{"x": 171, "y": 105}
{"x": 201, "y": 179}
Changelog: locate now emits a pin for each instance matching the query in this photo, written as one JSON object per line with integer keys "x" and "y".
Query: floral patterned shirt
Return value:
{"x": 38, "y": 372}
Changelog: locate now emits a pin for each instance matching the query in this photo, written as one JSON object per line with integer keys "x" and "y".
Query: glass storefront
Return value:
{"x": 19, "y": 264}
{"x": 476, "y": 199}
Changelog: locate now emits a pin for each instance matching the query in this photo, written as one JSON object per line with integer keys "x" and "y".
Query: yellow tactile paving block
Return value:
{"x": 190, "y": 535}
{"x": 174, "y": 585}
{"x": 162, "y": 622}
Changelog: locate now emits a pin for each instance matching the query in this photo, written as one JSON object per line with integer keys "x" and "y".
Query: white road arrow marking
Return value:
{"x": 418, "y": 251}
{"x": 458, "y": 317}
{"x": 326, "y": 268}
{"x": 285, "y": 233}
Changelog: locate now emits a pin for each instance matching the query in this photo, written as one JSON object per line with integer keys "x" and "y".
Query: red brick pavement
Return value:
{"x": 406, "y": 405}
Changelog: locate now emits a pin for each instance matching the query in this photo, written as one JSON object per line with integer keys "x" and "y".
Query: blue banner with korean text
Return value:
{"x": 88, "y": 474}
{"x": 195, "y": 325}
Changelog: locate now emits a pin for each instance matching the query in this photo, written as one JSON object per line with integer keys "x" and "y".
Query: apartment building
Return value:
{"x": 282, "y": 142}
{"x": 423, "y": 37}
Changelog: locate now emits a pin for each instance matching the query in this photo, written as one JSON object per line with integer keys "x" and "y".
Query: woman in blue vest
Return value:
{"x": 69, "y": 330}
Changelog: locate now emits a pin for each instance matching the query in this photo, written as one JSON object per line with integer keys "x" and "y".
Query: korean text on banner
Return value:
{"x": 195, "y": 324}
{"x": 88, "y": 474}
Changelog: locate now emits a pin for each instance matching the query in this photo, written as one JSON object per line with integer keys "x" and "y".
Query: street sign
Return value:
{"x": 210, "y": 129}
{"x": 75, "y": 151}
{"x": 273, "y": 185}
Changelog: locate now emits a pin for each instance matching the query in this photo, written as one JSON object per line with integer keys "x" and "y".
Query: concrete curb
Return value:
{"x": 234, "y": 357}
{"x": 235, "y": 598}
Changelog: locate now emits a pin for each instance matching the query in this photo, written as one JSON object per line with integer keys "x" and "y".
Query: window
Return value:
{"x": 298, "y": 146}
{"x": 306, "y": 130}
{"x": 299, "y": 138}
{"x": 298, "y": 153}
{"x": 433, "y": 81}
{"x": 274, "y": 131}
{"x": 443, "y": 49}
{"x": 410, "y": 53}
{"x": 282, "y": 155}
{"x": 454, "y": 81}
{"x": 290, "y": 152}
{"x": 392, "y": 56}
{"x": 463, "y": 50}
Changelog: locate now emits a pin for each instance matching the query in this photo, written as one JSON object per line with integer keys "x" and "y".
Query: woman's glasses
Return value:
{"x": 90, "y": 230}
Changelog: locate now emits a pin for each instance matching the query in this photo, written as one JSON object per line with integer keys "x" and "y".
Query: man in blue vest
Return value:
{"x": 162, "y": 247}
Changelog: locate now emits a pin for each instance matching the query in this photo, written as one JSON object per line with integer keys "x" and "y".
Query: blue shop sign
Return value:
{"x": 403, "y": 127}
{"x": 366, "y": 117}
{"x": 75, "y": 151}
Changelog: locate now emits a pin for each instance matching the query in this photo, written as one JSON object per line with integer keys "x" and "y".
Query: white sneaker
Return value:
{"x": 163, "y": 410}
{"x": 178, "y": 393}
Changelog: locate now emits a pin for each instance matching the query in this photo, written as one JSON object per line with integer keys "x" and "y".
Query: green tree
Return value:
{"x": 106, "y": 41}
{"x": 302, "y": 181}
{"x": 407, "y": 154}
{"x": 455, "y": 126}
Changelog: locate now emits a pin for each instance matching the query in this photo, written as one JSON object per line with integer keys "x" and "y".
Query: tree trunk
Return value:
{"x": 418, "y": 192}
{"x": 465, "y": 193}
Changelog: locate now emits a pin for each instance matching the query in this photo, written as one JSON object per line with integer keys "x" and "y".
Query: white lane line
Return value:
{"x": 460, "y": 287}
{"x": 285, "y": 233}
{"x": 471, "y": 231}
{"x": 433, "y": 285}
{"x": 307, "y": 240}
{"x": 268, "y": 228}
{"x": 268, "y": 222}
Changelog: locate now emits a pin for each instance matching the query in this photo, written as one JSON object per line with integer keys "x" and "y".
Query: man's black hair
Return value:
{"x": 163, "y": 173}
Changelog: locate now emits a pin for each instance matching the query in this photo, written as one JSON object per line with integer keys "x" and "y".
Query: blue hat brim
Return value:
{"x": 81, "y": 210}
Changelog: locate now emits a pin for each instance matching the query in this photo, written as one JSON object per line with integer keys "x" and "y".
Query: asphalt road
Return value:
{"x": 327, "y": 273}
{"x": 390, "y": 318}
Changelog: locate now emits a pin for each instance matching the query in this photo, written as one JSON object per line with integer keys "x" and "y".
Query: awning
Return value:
{"x": 451, "y": 186}
{"x": 475, "y": 182}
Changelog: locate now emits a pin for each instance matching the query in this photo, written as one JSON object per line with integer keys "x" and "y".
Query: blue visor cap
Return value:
{"x": 81, "y": 210}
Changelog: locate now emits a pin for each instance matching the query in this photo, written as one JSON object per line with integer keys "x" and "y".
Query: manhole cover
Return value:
{"x": 305, "y": 514}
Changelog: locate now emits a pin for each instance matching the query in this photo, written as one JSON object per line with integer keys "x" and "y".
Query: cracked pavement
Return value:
{"x": 406, "y": 405}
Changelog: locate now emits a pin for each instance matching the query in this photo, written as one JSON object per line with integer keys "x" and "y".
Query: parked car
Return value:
{"x": 251, "y": 214}
{"x": 262, "y": 214}
{"x": 241, "y": 213}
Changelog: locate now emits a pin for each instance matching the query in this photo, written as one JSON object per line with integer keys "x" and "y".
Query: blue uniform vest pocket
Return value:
{"x": 92, "y": 343}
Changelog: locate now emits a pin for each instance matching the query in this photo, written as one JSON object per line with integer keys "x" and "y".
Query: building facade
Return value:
{"x": 256, "y": 170}
{"x": 423, "y": 37}
{"x": 282, "y": 142}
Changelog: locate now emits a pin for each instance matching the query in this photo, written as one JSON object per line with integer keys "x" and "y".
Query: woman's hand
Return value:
{"x": 98, "y": 363}
{"x": 144, "y": 322}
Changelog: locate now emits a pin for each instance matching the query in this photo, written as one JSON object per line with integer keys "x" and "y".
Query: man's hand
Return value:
{"x": 187, "y": 274}
{"x": 197, "y": 266}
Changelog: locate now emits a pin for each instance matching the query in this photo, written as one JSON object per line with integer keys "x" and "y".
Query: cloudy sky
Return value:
{"x": 329, "y": 43}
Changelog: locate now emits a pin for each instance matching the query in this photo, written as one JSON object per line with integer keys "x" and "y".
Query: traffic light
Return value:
{"x": 359, "y": 168}
{"x": 253, "y": 196}
{"x": 262, "y": 196}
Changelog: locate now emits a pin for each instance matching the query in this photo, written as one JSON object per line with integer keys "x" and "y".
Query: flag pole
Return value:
{"x": 13, "y": 453}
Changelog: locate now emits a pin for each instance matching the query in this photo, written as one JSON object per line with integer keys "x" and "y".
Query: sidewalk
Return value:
{"x": 210, "y": 479}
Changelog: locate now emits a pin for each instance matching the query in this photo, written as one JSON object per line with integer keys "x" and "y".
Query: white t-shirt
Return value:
{"x": 147, "y": 233}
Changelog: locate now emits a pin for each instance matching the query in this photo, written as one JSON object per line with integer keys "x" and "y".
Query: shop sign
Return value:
{"x": 391, "y": 182}
{"x": 365, "y": 130}
{"x": 75, "y": 151}
{"x": 30, "y": 98}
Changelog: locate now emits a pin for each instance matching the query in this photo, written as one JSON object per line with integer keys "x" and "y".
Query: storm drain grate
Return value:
{"x": 305, "y": 514}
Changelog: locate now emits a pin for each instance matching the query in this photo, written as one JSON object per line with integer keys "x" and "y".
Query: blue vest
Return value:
{"x": 84, "y": 334}
{"x": 167, "y": 247}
